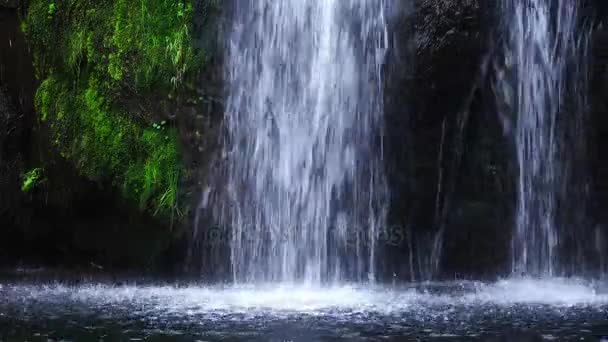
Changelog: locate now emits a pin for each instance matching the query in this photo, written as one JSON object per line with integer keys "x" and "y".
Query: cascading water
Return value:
{"x": 305, "y": 193}
{"x": 543, "y": 40}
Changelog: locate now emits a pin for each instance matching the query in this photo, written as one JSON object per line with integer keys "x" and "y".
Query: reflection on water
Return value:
{"x": 516, "y": 310}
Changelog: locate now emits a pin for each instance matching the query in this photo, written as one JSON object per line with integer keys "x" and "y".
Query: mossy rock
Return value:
{"x": 92, "y": 58}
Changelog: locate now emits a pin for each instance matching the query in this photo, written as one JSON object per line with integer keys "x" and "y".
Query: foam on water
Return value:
{"x": 556, "y": 291}
{"x": 315, "y": 300}
{"x": 513, "y": 310}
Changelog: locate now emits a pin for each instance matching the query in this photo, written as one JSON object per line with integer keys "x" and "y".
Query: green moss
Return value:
{"x": 52, "y": 9}
{"x": 93, "y": 56}
{"x": 151, "y": 42}
{"x": 31, "y": 179}
{"x": 107, "y": 145}
{"x": 143, "y": 176}
{"x": 46, "y": 96}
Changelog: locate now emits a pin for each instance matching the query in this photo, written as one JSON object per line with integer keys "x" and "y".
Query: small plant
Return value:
{"x": 52, "y": 10}
{"x": 160, "y": 126}
{"x": 31, "y": 179}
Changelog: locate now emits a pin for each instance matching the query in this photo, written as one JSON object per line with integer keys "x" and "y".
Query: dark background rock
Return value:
{"x": 451, "y": 165}
{"x": 447, "y": 156}
{"x": 10, "y": 3}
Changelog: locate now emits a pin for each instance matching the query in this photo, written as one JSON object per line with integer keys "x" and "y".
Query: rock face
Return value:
{"x": 598, "y": 139}
{"x": 66, "y": 219}
{"x": 10, "y": 3}
{"x": 451, "y": 166}
{"x": 63, "y": 219}
{"x": 446, "y": 153}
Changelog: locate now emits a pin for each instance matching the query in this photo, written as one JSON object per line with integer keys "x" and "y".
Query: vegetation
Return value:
{"x": 94, "y": 58}
{"x": 31, "y": 179}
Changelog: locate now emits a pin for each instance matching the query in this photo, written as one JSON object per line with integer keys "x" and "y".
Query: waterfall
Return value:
{"x": 305, "y": 194}
{"x": 543, "y": 59}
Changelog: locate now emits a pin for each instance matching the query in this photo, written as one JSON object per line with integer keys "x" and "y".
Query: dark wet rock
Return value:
{"x": 445, "y": 148}
{"x": 10, "y": 3}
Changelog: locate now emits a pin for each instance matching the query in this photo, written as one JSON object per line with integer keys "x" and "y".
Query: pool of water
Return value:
{"x": 509, "y": 310}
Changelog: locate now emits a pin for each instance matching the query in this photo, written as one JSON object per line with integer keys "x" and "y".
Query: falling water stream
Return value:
{"x": 543, "y": 39}
{"x": 305, "y": 186}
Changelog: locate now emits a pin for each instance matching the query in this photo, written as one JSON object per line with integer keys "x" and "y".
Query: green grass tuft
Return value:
{"x": 31, "y": 179}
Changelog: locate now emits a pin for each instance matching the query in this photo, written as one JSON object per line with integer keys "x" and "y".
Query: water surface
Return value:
{"x": 509, "y": 310}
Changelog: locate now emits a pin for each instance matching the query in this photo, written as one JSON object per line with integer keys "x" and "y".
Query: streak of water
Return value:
{"x": 305, "y": 189}
{"x": 543, "y": 39}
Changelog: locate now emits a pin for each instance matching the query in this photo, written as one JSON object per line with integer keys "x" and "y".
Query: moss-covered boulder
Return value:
{"x": 108, "y": 69}
{"x": 105, "y": 126}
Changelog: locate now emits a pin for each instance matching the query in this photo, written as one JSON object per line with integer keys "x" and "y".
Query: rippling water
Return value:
{"x": 510, "y": 310}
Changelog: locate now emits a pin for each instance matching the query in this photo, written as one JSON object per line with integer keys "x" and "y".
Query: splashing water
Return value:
{"x": 561, "y": 309}
{"x": 278, "y": 299}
